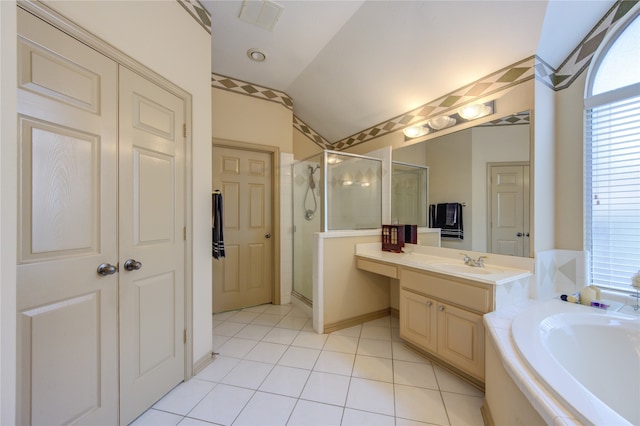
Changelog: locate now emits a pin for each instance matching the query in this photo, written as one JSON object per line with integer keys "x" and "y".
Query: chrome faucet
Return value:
{"x": 474, "y": 263}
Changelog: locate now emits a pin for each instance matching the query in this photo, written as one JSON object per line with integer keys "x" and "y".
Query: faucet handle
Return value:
{"x": 466, "y": 259}
{"x": 481, "y": 259}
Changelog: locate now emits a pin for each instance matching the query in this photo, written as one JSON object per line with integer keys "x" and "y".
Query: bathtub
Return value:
{"x": 589, "y": 359}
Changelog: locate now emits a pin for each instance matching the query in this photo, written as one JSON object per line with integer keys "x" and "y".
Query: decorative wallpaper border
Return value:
{"x": 580, "y": 58}
{"x": 512, "y": 75}
{"x": 250, "y": 89}
{"x": 310, "y": 133}
{"x": 198, "y": 12}
{"x": 523, "y": 117}
{"x": 500, "y": 80}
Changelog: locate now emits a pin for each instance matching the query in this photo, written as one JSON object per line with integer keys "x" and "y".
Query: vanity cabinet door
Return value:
{"x": 461, "y": 339}
{"x": 418, "y": 318}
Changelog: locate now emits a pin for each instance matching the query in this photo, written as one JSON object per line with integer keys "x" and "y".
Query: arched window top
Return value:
{"x": 620, "y": 65}
{"x": 612, "y": 160}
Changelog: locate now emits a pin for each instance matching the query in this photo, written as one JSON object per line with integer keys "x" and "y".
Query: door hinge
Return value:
{"x": 184, "y": 130}
{"x": 185, "y": 336}
{"x": 184, "y": 233}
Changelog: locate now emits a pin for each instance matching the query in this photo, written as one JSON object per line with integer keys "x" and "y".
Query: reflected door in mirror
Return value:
{"x": 509, "y": 233}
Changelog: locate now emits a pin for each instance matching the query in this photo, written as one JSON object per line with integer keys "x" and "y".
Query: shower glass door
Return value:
{"x": 331, "y": 191}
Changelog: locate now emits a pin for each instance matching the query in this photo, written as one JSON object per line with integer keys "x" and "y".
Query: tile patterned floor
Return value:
{"x": 273, "y": 369}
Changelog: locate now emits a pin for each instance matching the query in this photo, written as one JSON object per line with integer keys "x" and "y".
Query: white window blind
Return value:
{"x": 612, "y": 191}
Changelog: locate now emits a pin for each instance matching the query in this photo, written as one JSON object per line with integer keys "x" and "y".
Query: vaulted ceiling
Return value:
{"x": 349, "y": 65}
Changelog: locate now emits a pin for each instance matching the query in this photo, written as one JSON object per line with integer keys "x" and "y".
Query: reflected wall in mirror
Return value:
{"x": 461, "y": 166}
{"x": 409, "y": 194}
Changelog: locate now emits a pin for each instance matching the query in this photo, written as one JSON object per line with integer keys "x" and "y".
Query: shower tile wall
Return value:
{"x": 286, "y": 227}
{"x": 304, "y": 226}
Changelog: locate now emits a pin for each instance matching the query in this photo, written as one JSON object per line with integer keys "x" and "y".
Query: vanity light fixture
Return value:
{"x": 415, "y": 131}
{"x": 473, "y": 111}
{"x": 256, "y": 55}
{"x": 442, "y": 122}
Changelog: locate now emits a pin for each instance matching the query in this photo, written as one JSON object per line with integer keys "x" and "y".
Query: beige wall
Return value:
{"x": 182, "y": 56}
{"x": 348, "y": 291}
{"x": 243, "y": 118}
{"x": 501, "y": 144}
{"x": 569, "y": 212}
{"x": 411, "y": 154}
{"x": 543, "y": 165}
{"x": 449, "y": 162}
{"x": 303, "y": 147}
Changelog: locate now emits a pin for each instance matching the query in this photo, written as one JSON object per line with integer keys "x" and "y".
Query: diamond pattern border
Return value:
{"x": 198, "y": 12}
{"x": 518, "y": 73}
{"x": 580, "y": 58}
{"x": 500, "y": 80}
{"x": 523, "y": 117}
{"x": 244, "y": 88}
{"x": 310, "y": 133}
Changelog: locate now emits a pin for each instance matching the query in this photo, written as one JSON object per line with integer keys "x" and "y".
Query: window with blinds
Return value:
{"x": 612, "y": 163}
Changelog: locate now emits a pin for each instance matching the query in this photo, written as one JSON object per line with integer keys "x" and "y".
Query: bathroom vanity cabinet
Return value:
{"x": 443, "y": 316}
{"x": 441, "y": 300}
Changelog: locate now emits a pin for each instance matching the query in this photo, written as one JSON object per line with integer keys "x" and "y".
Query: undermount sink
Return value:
{"x": 458, "y": 268}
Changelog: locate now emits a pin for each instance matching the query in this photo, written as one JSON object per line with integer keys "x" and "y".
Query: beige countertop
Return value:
{"x": 498, "y": 269}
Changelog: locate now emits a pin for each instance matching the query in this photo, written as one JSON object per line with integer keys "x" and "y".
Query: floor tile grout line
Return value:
{"x": 355, "y": 354}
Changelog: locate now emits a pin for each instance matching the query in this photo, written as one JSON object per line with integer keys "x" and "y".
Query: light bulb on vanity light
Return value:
{"x": 415, "y": 131}
{"x": 442, "y": 122}
{"x": 473, "y": 111}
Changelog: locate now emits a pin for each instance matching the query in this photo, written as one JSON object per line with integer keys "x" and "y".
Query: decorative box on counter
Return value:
{"x": 394, "y": 237}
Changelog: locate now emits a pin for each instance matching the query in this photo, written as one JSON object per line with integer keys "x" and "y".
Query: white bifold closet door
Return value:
{"x": 97, "y": 343}
{"x": 151, "y": 197}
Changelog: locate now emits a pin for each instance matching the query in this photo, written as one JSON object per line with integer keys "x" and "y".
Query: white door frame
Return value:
{"x": 55, "y": 19}
{"x": 274, "y": 151}
{"x": 527, "y": 210}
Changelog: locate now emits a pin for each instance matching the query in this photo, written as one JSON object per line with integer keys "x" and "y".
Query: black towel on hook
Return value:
{"x": 218, "y": 239}
{"x": 447, "y": 217}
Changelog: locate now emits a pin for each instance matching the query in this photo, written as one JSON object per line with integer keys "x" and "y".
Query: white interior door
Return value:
{"x": 151, "y": 204}
{"x": 509, "y": 209}
{"x": 67, "y": 317}
{"x": 98, "y": 342}
{"x": 245, "y": 276}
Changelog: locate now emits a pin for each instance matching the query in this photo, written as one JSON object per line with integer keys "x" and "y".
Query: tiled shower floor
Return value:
{"x": 273, "y": 369}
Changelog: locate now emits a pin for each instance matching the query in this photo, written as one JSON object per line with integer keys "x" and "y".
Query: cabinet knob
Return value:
{"x": 429, "y": 303}
{"x": 441, "y": 308}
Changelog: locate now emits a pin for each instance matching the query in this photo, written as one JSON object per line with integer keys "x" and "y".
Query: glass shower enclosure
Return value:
{"x": 331, "y": 191}
{"x": 409, "y": 193}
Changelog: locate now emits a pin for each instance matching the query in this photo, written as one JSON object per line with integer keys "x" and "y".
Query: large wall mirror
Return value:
{"x": 485, "y": 169}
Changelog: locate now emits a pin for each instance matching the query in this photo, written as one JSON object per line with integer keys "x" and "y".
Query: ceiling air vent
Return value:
{"x": 264, "y": 14}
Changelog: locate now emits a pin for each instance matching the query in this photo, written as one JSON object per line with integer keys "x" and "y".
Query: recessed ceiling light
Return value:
{"x": 256, "y": 55}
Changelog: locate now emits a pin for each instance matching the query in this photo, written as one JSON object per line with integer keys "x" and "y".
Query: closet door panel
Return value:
{"x": 151, "y": 205}
{"x": 67, "y": 355}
